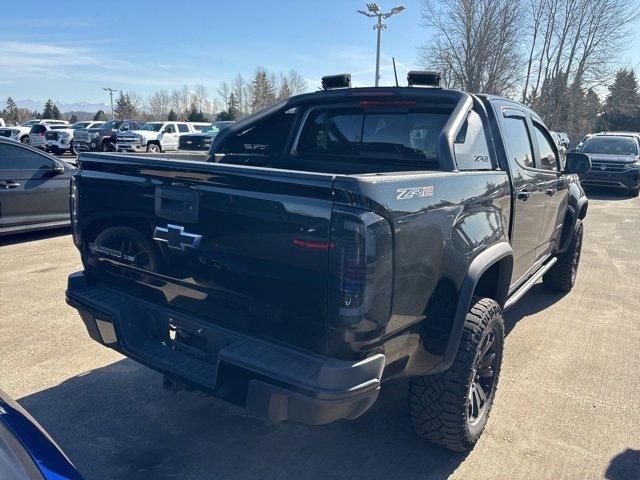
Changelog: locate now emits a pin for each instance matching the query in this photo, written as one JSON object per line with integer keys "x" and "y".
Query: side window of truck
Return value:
{"x": 183, "y": 128}
{"x": 548, "y": 158}
{"x": 471, "y": 148}
{"x": 518, "y": 142}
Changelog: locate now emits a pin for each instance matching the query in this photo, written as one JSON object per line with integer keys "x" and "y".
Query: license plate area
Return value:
{"x": 175, "y": 343}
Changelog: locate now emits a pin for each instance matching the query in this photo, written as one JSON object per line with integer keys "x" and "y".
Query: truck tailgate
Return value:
{"x": 245, "y": 248}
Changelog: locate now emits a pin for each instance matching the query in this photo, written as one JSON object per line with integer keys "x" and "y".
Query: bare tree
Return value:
{"x": 574, "y": 47}
{"x": 158, "y": 104}
{"x": 476, "y": 43}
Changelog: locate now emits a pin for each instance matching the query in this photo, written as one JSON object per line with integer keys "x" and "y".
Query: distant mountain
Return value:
{"x": 64, "y": 107}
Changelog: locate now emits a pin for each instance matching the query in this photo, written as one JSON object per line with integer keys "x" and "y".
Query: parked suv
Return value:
{"x": 615, "y": 158}
{"x": 334, "y": 241}
{"x": 154, "y": 137}
{"x": 103, "y": 138}
{"x": 37, "y": 134}
{"x": 20, "y": 133}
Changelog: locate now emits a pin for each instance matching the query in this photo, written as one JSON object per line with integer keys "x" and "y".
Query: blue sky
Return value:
{"x": 143, "y": 46}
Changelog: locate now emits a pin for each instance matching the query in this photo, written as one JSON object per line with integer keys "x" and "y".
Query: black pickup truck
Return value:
{"x": 334, "y": 241}
{"x": 102, "y": 138}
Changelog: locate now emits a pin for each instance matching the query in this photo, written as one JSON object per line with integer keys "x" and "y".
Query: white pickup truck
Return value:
{"x": 60, "y": 140}
{"x": 20, "y": 133}
{"x": 155, "y": 137}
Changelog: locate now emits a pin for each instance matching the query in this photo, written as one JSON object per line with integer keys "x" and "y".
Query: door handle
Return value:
{"x": 523, "y": 195}
{"x": 11, "y": 184}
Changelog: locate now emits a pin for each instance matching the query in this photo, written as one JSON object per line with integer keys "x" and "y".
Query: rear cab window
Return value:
{"x": 408, "y": 136}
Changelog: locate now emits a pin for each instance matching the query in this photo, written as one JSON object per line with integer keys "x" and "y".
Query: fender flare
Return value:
{"x": 577, "y": 213}
{"x": 479, "y": 265}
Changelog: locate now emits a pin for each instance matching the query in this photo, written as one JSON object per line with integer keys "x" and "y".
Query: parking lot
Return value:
{"x": 567, "y": 404}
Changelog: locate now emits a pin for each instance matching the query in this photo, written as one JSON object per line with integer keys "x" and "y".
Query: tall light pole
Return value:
{"x": 374, "y": 11}
{"x": 110, "y": 90}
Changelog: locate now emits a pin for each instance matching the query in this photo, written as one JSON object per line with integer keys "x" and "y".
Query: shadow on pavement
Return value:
{"x": 538, "y": 298}
{"x": 32, "y": 236}
{"x": 117, "y": 422}
{"x": 624, "y": 466}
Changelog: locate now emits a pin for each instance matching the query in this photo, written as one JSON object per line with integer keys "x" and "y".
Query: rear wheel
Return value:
{"x": 561, "y": 277}
{"x": 56, "y": 151}
{"x": 451, "y": 408}
{"x": 25, "y": 140}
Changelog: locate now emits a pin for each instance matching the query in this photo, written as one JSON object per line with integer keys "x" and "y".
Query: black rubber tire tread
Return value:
{"x": 560, "y": 276}
{"x": 438, "y": 403}
{"x": 635, "y": 192}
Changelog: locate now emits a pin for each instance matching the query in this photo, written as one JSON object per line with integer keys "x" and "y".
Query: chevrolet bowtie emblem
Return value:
{"x": 176, "y": 237}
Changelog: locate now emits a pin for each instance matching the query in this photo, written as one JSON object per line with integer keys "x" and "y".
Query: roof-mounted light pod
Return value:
{"x": 331, "y": 82}
{"x": 427, "y": 78}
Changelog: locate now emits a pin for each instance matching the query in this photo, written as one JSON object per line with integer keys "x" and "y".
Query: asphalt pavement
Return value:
{"x": 567, "y": 404}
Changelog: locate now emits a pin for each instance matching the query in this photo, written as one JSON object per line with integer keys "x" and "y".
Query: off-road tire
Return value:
{"x": 154, "y": 148}
{"x": 56, "y": 151}
{"x": 439, "y": 403}
{"x": 635, "y": 192}
{"x": 24, "y": 140}
{"x": 562, "y": 275}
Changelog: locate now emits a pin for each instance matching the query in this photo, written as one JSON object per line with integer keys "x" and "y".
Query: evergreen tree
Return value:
{"x": 73, "y": 118}
{"x": 173, "y": 116}
{"x": 11, "y": 111}
{"x": 622, "y": 106}
{"x": 124, "y": 107}
{"x": 232, "y": 111}
{"x": 56, "y": 112}
{"x": 47, "y": 112}
{"x": 100, "y": 116}
{"x": 196, "y": 115}
{"x": 262, "y": 90}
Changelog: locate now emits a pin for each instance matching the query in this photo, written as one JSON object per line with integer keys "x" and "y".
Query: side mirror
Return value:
{"x": 57, "y": 168}
{"x": 166, "y": 130}
{"x": 577, "y": 163}
{"x": 574, "y": 150}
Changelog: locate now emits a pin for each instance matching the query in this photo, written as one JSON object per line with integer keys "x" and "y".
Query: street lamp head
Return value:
{"x": 394, "y": 11}
{"x": 366, "y": 14}
{"x": 373, "y": 8}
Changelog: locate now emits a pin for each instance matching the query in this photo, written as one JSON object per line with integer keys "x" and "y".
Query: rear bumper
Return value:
{"x": 268, "y": 379}
{"x": 629, "y": 179}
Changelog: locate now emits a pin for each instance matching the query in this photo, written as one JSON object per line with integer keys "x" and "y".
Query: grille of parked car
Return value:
{"x": 194, "y": 143}
{"x": 81, "y": 136}
{"x": 597, "y": 166}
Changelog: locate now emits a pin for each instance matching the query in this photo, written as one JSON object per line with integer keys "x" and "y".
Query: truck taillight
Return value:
{"x": 74, "y": 198}
{"x": 360, "y": 270}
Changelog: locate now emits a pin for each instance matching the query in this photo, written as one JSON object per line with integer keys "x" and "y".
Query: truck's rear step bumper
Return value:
{"x": 268, "y": 379}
